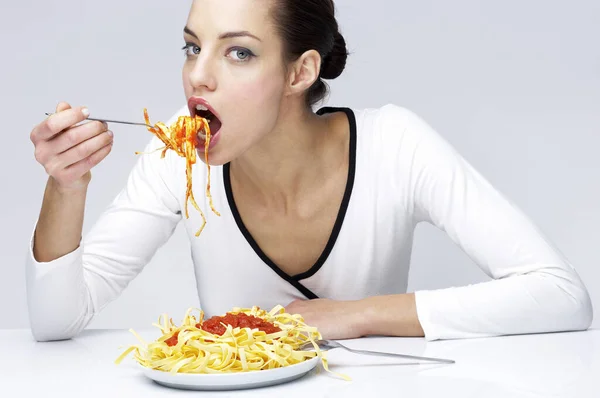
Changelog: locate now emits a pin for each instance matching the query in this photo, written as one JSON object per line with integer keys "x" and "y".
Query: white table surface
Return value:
{"x": 542, "y": 365}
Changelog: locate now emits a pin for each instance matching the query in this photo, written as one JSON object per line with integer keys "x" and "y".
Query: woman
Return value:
{"x": 317, "y": 209}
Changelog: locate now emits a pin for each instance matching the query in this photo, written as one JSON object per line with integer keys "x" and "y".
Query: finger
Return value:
{"x": 60, "y": 121}
{"x": 81, "y": 167}
{"x": 62, "y": 106}
{"x": 80, "y": 151}
{"x": 75, "y": 136}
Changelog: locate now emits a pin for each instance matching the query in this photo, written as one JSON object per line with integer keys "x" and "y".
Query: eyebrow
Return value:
{"x": 223, "y": 36}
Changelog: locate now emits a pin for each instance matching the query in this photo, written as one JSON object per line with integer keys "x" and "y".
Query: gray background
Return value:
{"x": 514, "y": 85}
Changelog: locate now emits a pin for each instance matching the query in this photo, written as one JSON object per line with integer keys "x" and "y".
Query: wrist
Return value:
{"x": 390, "y": 315}
{"x": 363, "y": 317}
{"x": 75, "y": 190}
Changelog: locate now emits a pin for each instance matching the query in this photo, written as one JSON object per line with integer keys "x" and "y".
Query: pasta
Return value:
{"x": 182, "y": 137}
{"x": 268, "y": 340}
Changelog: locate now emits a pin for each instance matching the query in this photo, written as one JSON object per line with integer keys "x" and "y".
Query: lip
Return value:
{"x": 193, "y": 101}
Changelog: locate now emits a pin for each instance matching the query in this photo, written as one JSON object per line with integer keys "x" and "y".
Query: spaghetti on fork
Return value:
{"x": 182, "y": 137}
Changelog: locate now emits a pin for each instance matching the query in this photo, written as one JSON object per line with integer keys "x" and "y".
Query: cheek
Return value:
{"x": 264, "y": 94}
{"x": 258, "y": 100}
{"x": 187, "y": 86}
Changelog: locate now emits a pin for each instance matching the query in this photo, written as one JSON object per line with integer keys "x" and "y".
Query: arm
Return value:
{"x": 534, "y": 288}
{"x": 68, "y": 151}
{"x": 60, "y": 223}
{"x": 65, "y": 293}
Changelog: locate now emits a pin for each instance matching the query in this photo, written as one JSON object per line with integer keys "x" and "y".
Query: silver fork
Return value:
{"x": 111, "y": 121}
{"x": 331, "y": 344}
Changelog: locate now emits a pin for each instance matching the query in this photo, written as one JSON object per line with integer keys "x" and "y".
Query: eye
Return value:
{"x": 190, "y": 49}
{"x": 240, "y": 54}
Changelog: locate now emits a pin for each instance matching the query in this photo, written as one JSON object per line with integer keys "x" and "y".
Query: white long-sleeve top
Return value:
{"x": 401, "y": 173}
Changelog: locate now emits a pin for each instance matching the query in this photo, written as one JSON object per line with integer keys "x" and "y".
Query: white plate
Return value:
{"x": 231, "y": 381}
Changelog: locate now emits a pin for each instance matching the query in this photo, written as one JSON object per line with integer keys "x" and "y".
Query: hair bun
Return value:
{"x": 335, "y": 62}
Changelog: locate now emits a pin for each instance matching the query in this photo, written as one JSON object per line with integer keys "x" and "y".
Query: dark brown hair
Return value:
{"x": 311, "y": 25}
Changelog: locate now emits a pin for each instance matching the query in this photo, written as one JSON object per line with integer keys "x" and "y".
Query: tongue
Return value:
{"x": 214, "y": 125}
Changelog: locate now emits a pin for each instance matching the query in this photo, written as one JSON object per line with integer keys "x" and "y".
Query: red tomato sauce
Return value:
{"x": 171, "y": 341}
{"x": 241, "y": 320}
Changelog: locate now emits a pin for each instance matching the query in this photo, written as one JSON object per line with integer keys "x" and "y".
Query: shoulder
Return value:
{"x": 398, "y": 139}
{"x": 392, "y": 122}
{"x": 392, "y": 127}
{"x": 392, "y": 117}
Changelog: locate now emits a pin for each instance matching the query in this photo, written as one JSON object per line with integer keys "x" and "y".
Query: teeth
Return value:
{"x": 200, "y": 107}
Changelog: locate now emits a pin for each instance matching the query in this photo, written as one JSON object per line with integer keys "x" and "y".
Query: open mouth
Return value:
{"x": 213, "y": 122}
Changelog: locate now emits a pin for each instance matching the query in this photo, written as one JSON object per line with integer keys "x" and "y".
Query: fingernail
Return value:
{"x": 86, "y": 112}
{"x": 110, "y": 133}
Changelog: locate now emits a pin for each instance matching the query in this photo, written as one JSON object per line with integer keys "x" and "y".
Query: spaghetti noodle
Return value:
{"x": 268, "y": 340}
{"x": 182, "y": 137}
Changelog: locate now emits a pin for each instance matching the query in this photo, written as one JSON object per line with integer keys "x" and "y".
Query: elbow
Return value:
{"x": 573, "y": 306}
{"x": 48, "y": 323}
{"x": 42, "y": 335}
{"x": 46, "y": 329}
{"x": 52, "y": 319}
{"x": 583, "y": 312}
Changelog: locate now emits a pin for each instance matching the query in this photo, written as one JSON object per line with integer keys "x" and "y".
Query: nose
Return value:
{"x": 202, "y": 74}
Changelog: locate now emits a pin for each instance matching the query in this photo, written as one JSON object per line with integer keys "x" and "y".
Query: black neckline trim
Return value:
{"x": 295, "y": 280}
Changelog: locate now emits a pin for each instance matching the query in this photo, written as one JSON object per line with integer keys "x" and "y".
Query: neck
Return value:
{"x": 292, "y": 160}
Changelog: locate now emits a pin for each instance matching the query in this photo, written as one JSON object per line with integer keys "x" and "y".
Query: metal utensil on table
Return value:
{"x": 331, "y": 344}
{"x": 111, "y": 121}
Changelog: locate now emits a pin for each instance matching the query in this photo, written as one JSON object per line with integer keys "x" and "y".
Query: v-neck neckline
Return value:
{"x": 295, "y": 279}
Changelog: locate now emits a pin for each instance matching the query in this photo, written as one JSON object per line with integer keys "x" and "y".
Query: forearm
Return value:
{"x": 391, "y": 315}
{"x": 537, "y": 302}
{"x": 60, "y": 223}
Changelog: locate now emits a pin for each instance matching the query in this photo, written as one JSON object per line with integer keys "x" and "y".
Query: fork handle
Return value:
{"x": 393, "y": 355}
{"x": 110, "y": 121}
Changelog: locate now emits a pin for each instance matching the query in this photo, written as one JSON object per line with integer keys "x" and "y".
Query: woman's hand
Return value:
{"x": 334, "y": 319}
{"x": 390, "y": 315}
{"x": 68, "y": 151}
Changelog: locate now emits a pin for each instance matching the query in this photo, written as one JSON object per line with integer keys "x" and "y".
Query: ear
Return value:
{"x": 304, "y": 72}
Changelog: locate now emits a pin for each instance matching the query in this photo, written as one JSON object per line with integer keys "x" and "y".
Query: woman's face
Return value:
{"x": 233, "y": 66}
